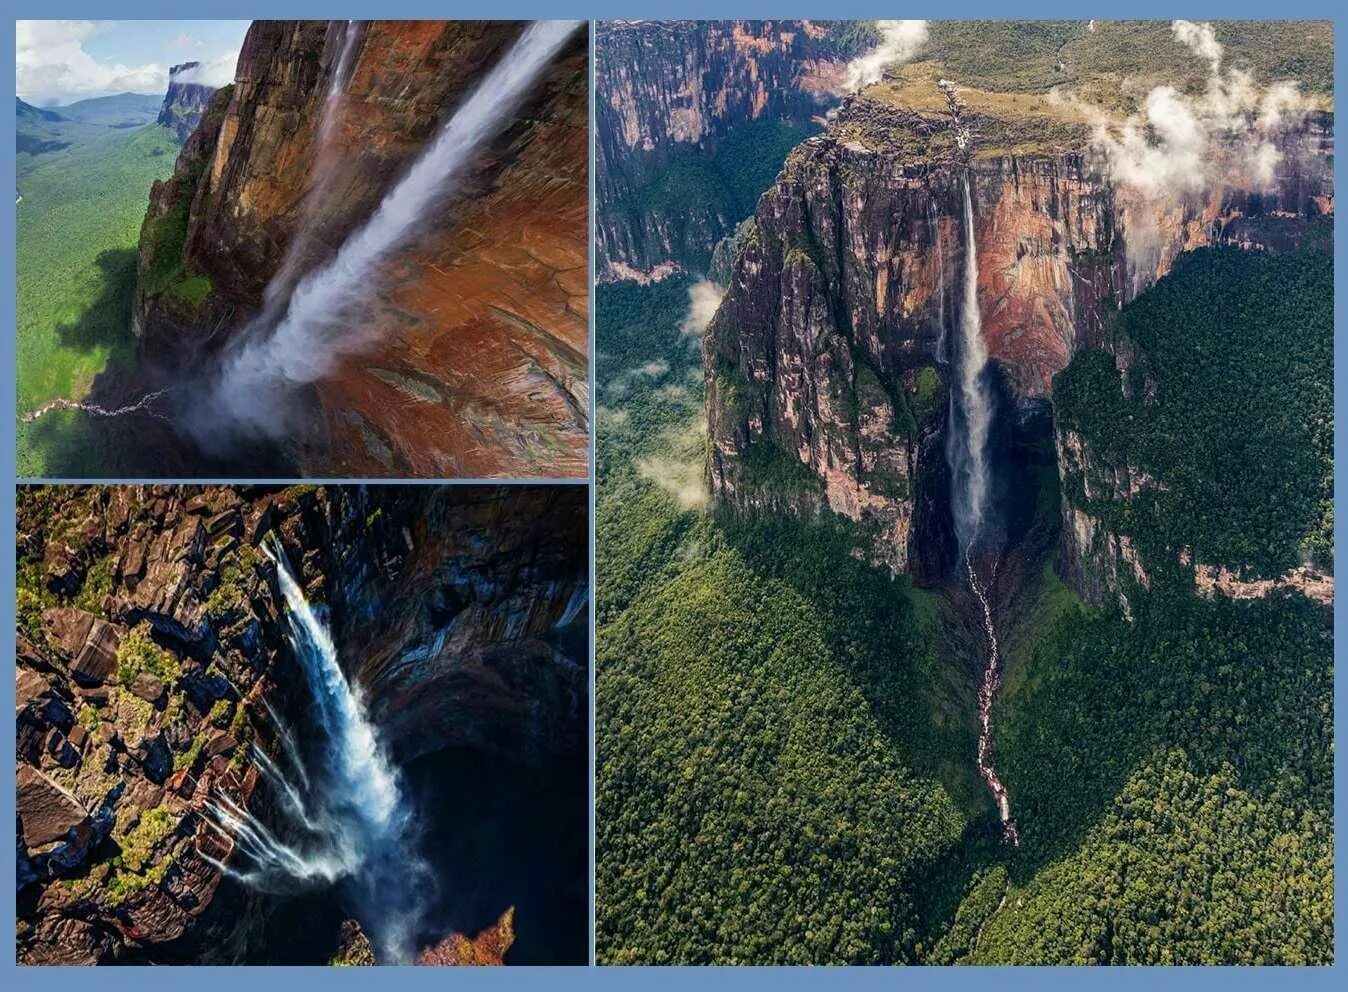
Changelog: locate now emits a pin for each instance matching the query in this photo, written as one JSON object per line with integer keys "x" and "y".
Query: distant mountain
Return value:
{"x": 28, "y": 113}
{"x": 184, "y": 102}
{"x": 38, "y": 131}
{"x": 120, "y": 110}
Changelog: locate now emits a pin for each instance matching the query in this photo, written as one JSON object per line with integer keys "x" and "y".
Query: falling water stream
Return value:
{"x": 345, "y": 816}
{"x": 971, "y": 409}
{"x": 313, "y": 326}
{"x": 318, "y": 325}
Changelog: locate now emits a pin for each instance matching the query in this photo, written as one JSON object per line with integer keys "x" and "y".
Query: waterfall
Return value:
{"x": 350, "y": 821}
{"x": 967, "y": 450}
{"x": 318, "y": 325}
{"x": 321, "y": 173}
{"x": 970, "y": 403}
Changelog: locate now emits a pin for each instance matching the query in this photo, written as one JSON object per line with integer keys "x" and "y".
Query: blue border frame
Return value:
{"x": 211, "y": 979}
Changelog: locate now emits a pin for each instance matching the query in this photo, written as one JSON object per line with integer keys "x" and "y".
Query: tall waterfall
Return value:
{"x": 967, "y": 451}
{"x": 970, "y": 403}
{"x": 319, "y": 324}
{"x": 323, "y": 165}
{"x": 347, "y": 820}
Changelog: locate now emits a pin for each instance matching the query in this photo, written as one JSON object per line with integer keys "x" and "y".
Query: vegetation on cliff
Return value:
{"x": 1228, "y": 406}
{"x": 774, "y": 729}
{"x": 1173, "y": 780}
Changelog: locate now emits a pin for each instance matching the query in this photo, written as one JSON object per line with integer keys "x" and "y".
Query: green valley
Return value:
{"x": 78, "y": 218}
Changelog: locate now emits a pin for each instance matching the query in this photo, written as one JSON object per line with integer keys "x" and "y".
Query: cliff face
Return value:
{"x": 152, "y": 653}
{"x": 185, "y": 101}
{"x": 484, "y": 313}
{"x": 671, "y": 87}
{"x": 829, "y": 351}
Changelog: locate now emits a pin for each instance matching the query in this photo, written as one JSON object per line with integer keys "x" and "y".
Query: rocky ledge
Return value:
{"x": 151, "y": 655}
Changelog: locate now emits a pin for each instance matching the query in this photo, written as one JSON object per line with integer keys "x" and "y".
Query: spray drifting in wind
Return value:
{"x": 970, "y": 403}
{"x": 319, "y": 324}
{"x": 899, "y": 42}
{"x": 352, "y": 823}
{"x": 322, "y": 173}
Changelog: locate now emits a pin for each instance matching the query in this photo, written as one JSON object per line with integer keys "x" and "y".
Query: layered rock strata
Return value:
{"x": 668, "y": 87}
{"x": 826, "y": 365}
{"x": 479, "y": 325}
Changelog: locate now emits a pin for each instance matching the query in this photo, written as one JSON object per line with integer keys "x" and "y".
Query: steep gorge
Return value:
{"x": 823, "y": 365}
{"x": 679, "y": 95}
{"x": 161, "y": 688}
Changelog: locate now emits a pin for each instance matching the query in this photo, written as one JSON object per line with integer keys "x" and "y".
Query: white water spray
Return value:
{"x": 322, "y": 170}
{"x": 319, "y": 325}
{"x": 352, "y": 824}
{"x": 971, "y": 403}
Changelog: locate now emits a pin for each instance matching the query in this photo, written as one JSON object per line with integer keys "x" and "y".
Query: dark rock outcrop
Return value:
{"x": 671, "y": 86}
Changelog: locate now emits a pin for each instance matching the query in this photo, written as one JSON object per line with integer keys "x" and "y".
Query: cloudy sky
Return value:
{"x": 59, "y": 62}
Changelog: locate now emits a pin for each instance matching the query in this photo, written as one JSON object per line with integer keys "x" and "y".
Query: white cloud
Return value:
{"x": 1180, "y": 145}
{"x": 899, "y": 42}
{"x": 704, "y": 296}
{"x": 214, "y": 72}
{"x": 1201, "y": 40}
{"x": 53, "y": 67}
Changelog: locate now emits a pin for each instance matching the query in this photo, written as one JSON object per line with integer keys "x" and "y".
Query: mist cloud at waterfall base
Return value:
{"x": 343, "y": 816}
{"x": 325, "y": 318}
{"x": 704, "y": 297}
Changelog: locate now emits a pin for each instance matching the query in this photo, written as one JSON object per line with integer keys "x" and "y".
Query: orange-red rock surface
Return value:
{"x": 478, "y": 366}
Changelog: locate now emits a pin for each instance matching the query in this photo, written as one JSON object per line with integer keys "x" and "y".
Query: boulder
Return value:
{"x": 147, "y": 687}
{"x": 87, "y": 644}
{"x": 47, "y": 812}
{"x": 64, "y": 569}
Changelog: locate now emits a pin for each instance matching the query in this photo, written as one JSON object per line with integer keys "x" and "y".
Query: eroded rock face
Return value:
{"x": 458, "y": 610}
{"x": 185, "y": 101}
{"x": 479, "y": 325}
{"x": 667, "y": 85}
{"x": 829, "y": 352}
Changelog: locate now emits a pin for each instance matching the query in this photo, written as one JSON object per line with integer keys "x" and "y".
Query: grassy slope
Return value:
{"x": 1015, "y": 72}
{"x": 78, "y": 225}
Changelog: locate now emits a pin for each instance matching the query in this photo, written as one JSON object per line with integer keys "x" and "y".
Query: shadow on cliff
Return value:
{"x": 880, "y": 630}
{"x": 107, "y": 320}
{"x": 508, "y": 835}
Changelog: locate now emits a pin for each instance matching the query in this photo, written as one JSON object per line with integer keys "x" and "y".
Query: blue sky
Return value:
{"x": 58, "y": 62}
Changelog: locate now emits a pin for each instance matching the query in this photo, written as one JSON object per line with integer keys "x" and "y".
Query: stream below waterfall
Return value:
{"x": 987, "y": 693}
{"x": 972, "y": 405}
